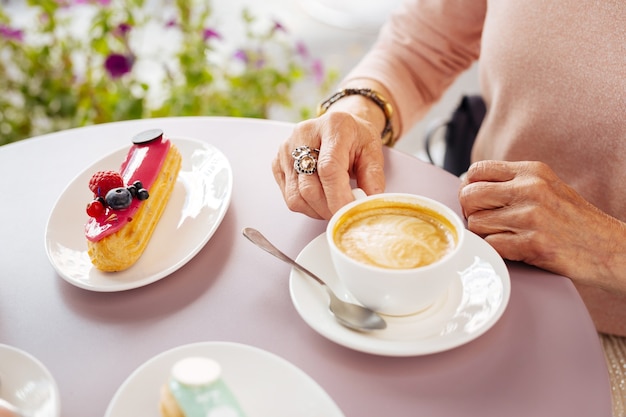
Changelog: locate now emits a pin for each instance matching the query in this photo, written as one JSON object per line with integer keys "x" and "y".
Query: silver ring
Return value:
{"x": 305, "y": 160}
{"x": 303, "y": 150}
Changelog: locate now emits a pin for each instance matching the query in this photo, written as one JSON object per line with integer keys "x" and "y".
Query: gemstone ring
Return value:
{"x": 305, "y": 160}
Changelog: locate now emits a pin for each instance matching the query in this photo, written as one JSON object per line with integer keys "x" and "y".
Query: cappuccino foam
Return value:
{"x": 394, "y": 235}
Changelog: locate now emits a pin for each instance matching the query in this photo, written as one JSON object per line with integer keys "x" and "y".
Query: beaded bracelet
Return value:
{"x": 387, "y": 133}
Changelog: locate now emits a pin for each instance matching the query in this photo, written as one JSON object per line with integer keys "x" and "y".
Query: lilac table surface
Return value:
{"x": 542, "y": 358}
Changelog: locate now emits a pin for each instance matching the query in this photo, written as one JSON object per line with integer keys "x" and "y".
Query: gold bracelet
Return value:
{"x": 387, "y": 133}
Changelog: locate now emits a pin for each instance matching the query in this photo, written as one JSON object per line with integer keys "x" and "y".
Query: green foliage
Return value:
{"x": 81, "y": 62}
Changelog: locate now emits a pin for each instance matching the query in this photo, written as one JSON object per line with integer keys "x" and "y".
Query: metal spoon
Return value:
{"x": 353, "y": 316}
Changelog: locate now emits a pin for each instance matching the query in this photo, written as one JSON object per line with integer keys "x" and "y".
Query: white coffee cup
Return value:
{"x": 376, "y": 229}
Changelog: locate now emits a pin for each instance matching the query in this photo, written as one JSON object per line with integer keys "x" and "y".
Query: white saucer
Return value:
{"x": 26, "y": 383}
{"x": 196, "y": 208}
{"x": 263, "y": 383}
{"x": 474, "y": 302}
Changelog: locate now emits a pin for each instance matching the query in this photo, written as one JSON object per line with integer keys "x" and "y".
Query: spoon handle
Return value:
{"x": 261, "y": 241}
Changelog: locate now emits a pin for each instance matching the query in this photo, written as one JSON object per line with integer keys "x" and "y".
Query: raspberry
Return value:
{"x": 103, "y": 181}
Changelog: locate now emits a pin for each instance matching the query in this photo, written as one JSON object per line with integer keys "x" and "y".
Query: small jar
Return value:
{"x": 197, "y": 385}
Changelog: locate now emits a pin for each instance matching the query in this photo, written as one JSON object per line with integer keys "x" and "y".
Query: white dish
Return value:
{"x": 473, "y": 304}
{"x": 263, "y": 383}
{"x": 26, "y": 383}
{"x": 196, "y": 208}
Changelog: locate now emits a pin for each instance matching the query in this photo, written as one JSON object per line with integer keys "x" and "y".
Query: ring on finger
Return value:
{"x": 305, "y": 160}
{"x": 304, "y": 150}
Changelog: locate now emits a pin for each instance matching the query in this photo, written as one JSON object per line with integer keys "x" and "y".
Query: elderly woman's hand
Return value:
{"x": 349, "y": 148}
{"x": 528, "y": 214}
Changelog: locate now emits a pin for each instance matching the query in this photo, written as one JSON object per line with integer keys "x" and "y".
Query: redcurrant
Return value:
{"x": 95, "y": 208}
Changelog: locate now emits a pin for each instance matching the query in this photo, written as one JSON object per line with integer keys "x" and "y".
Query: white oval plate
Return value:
{"x": 263, "y": 383}
{"x": 196, "y": 208}
{"x": 26, "y": 383}
{"x": 473, "y": 304}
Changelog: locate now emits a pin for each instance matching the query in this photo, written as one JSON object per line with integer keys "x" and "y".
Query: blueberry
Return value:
{"x": 142, "y": 194}
{"x": 119, "y": 198}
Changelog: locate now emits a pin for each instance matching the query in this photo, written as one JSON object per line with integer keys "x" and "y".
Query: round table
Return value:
{"x": 542, "y": 358}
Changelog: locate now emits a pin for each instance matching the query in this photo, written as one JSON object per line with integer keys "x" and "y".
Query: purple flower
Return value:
{"x": 118, "y": 65}
{"x": 278, "y": 27}
{"x": 171, "y": 23}
{"x": 317, "y": 68}
{"x": 11, "y": 34}
{"x": 241, "y": 55}
{"x": 211, "y": 34}
{"x": 302, "y": 50}
{"x": 122, "y": 30}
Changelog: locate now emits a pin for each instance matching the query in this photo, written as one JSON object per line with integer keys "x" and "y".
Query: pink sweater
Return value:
{"x": 553, "y": 74}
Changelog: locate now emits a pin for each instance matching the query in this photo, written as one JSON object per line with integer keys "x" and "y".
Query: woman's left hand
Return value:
{"x": 528, "y": 214}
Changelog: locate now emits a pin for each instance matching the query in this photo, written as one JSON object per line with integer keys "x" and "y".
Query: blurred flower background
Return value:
{"x": 78, "y": 62}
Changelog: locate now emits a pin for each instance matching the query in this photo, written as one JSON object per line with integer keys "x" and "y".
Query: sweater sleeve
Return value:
{"x": 421, "y": 50}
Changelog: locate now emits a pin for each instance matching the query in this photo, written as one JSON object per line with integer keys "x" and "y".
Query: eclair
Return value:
{"x": 128, "y": 204}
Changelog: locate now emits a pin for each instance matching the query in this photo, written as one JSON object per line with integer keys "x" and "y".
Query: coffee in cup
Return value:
{"x": 394, "y": 235}
{"x": 396, "y": 253}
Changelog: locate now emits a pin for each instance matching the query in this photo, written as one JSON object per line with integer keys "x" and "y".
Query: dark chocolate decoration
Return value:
{"x": 147, "y": 136}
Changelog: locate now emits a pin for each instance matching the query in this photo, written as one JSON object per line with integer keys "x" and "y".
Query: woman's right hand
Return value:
{"x": 349, "y": 146}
